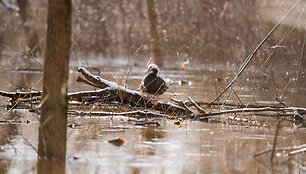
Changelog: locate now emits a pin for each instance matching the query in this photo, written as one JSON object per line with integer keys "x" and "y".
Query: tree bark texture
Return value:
{"x": 52, "y": 130}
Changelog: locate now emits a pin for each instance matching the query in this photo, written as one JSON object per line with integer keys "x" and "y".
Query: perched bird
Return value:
{"x": 152, "y": 84}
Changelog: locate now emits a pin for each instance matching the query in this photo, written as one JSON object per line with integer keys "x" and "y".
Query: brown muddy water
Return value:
{"x": 192, "y": 147}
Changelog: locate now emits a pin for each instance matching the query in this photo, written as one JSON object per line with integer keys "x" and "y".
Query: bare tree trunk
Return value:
{"x": 52, "y": 130}
{"x": 154, "y": 33}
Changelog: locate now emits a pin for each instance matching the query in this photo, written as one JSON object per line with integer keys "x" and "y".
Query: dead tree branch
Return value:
{"x": 297, "y": 151}
{"x": 183, "y": 104}
{"x": 201, "y": 110}
{"x": 231, "y": 105}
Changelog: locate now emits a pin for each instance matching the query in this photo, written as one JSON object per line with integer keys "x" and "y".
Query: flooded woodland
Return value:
{"x": 235, "y": 72}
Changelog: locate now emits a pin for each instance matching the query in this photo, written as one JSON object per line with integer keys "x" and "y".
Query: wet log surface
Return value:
{"x": 127, "y": 96}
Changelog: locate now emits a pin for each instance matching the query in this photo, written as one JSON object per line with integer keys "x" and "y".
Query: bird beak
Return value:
{"x": 148, "y": 70}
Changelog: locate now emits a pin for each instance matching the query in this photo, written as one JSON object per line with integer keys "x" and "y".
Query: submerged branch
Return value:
{"x": 275, "y": 138}
{"x": 300, "y": 147}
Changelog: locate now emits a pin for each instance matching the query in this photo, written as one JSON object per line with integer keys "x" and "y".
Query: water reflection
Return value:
{"x": 192, "y": 147}
{"x": 195, "y": 147}
{"x": 8, "y": 132}
{"x": 50, "y": 166}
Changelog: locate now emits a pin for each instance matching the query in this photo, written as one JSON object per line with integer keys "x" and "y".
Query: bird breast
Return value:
{"x": 153, "y": 84}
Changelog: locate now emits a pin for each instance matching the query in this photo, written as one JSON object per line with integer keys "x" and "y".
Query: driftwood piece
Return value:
{"x": 266, "y": 109}
{"x": 128, "y": 96}
{"x": 72, "y": 95}
{"x": 136, "y": 114}
{"x": 17, "y": 94}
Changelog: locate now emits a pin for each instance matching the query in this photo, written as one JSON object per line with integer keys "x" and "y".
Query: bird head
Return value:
{"x": 153, "y": 68}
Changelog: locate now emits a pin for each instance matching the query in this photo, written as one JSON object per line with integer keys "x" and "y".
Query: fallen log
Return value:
{"x": 109, "y": 90}
{"x": 113, "y": 93}
{"x": 128, "y": 96}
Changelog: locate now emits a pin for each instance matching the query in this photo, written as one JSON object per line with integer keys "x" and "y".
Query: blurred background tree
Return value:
{"x": 154, "y": 33}
{"x": 31, "y": 35}
{"x": 203, "y": 31}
